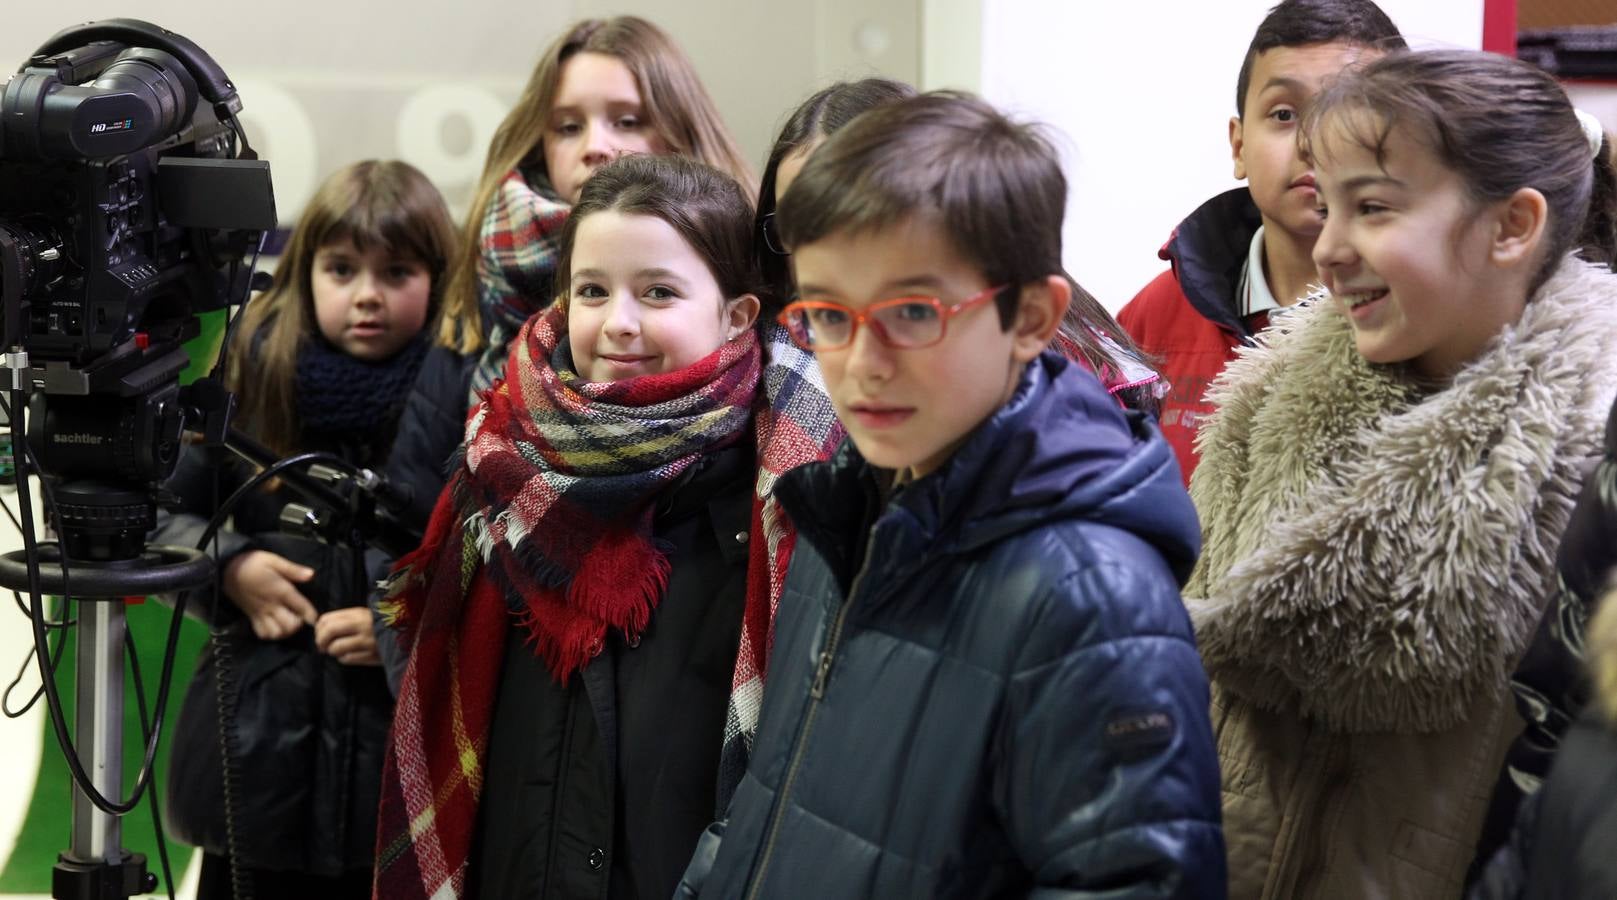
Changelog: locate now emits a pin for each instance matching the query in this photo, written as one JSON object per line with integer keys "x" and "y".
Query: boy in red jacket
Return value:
{"x": 1247, "y": 251}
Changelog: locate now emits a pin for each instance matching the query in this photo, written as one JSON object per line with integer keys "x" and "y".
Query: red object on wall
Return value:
{"x": 1499, "y": 26}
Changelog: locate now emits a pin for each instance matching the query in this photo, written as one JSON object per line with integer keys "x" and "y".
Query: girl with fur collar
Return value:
{"x": 1388, "y": 474}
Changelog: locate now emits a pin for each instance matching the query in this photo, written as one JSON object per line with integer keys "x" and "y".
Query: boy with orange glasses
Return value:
{"x": 983, "y": 681}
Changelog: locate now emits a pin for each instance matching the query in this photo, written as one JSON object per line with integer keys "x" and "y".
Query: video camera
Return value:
{"x": 128, "y": 196}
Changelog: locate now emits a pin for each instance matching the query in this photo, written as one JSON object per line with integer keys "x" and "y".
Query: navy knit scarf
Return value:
{"x": 338, "y": 394}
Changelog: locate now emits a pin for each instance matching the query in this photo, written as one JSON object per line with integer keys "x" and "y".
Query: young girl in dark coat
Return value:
{"x": 602, "y": 89}
{"x": 321, "y": 361}
{"x": 588, "y": 613}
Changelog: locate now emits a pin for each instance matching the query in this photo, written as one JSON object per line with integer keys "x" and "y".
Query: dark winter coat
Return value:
{"x": 987, "y": 685}
{"x": 1188, "y": 317}
{"x": 600, "y": 787}
{"x": 431, "y": 429}
{"x": 1562, "y": 846}
{"x": 1575, "y": 834}
{"x": 1550, "y": 682}
{"x": 309, "y": 732}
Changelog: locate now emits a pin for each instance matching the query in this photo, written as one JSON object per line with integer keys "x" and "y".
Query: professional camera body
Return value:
{"x": 126, "y": 205}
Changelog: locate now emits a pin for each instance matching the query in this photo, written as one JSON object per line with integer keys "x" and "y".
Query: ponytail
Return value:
{"x": 1598, "y": 237}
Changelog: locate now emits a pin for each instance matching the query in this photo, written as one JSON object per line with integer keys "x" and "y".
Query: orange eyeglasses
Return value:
{"x": 903, "y": 323}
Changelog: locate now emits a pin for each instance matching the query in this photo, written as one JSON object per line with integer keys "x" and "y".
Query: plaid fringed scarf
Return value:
{"x": 557, "y": 484}
{"x": 520, "y": 245}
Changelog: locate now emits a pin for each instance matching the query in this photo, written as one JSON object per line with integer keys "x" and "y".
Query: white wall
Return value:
{"x": 1599, "y": 99}
{"x": 327, "y": 82}
{"x": 1139, "y": 96}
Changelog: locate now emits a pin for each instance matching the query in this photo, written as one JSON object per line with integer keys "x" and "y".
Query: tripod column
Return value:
{"x": 98, "y": 731}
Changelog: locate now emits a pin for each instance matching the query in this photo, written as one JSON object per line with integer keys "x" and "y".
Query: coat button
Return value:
{"x": 741, "y": 537}
{"x": 597, "y": 858}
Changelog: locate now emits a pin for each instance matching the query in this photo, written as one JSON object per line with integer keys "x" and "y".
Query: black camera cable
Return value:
{"x": 225, "y": 699}
{"x": 58, "y": 626}
{"x": 53, "y": 699}
{"x": 232, "y": 319}
{"x": 146, "y": 732}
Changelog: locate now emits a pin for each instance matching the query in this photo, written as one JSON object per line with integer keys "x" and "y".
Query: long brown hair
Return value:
{"x": 819, "y": 117}
{"x": 1498, "y": 123}
{"x": 677, "y": 108}
{"x": 374, "y": 203}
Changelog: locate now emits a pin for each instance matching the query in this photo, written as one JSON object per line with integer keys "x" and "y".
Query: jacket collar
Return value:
{"x": 1059, "y": 449}
{"x": 1208, "y": 251}
{"x": 1377, "y": 549}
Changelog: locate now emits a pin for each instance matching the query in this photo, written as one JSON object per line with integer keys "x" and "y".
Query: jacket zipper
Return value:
{"x": 1285, "y": 880}
{"x": 822, "y": 674}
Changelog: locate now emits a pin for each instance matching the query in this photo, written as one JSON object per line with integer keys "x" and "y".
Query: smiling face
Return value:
{"x": 596, "y": 117}
{"x": 1410, "y": 258}
{"x": 1263, "y": 140}
{"x": 642, "y": 301}
{"x": 910, "y": 409}
{"x": 369, "y": 304}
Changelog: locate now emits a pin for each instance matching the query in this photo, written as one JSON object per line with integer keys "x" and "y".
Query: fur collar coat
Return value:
{"x": 1377, "y": 549}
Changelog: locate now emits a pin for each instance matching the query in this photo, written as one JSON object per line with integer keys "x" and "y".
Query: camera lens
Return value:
{"x": 164, "y": 87}
{"x": 30, "y": 258}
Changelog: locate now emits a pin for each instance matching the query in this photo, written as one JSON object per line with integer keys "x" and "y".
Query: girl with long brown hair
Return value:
{"x": 603, "y": 89}
{"x": 322, "y": 361}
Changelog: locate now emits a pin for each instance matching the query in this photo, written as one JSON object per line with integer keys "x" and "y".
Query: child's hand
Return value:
{"x": 347, "y": 634}
{"x": 264, "y": 586}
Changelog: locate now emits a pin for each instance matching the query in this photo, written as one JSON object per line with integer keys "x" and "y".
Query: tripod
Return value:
{"x": 103, "y": 526}
{"x": 103, "y": 530}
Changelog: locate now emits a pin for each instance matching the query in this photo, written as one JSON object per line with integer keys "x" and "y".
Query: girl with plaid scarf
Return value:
{"x": 588, "y": 613}
{"x": 603, "y": 89}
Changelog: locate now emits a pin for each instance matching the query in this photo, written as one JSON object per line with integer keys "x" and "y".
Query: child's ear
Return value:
{"x": 1237, "y": 142}
{"x": 1038, "y": 316}
{"x": 1518, "y": 228}
{"x": 739, "y": 314}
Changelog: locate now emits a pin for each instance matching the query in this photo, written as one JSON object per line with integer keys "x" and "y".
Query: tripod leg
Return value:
{"x": 99, "y": 729}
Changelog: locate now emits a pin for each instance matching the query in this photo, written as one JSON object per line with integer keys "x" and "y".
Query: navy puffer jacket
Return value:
{"x": 1001, "y": 696}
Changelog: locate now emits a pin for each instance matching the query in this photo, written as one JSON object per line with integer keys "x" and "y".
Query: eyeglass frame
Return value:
{"x": 860, "y": 317}
{"x": 771, "y": 235}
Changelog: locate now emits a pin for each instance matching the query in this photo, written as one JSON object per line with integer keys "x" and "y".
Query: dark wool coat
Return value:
{"x": 600, "y": 786}
{"x": 309, "y": 731}
{"x": 1550, "y": 683}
